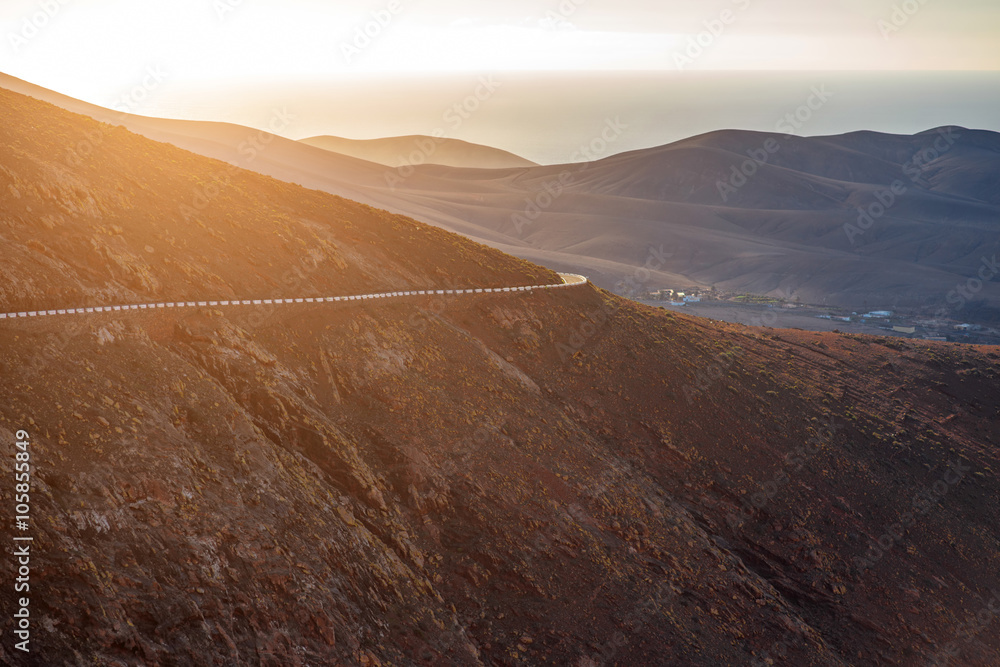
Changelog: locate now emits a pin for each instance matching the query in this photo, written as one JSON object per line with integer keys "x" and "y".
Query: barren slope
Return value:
{"x": 506, "y": 479}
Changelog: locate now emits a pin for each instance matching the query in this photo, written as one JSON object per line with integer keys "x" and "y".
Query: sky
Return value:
{"x": 195, "y": 53}
{"x": 85, "y": 47}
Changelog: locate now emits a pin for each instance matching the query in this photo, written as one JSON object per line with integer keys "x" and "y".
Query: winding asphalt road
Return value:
{"x": 568, "y": 280}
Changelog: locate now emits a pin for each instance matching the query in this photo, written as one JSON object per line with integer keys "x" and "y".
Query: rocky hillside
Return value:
{"x": 506, "y": 479}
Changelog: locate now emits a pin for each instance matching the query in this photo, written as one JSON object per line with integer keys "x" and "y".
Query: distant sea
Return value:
{"x": 545, "y": 117}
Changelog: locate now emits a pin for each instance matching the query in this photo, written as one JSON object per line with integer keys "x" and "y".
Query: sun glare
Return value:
{"x": 89, "y": 50}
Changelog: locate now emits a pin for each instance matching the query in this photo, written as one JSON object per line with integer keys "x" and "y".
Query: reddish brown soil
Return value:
{"x": 551, "y": 478}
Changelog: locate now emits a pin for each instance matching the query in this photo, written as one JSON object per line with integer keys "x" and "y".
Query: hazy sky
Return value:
{"x": 368, "y": 68}
{"x": 90, "y": 48}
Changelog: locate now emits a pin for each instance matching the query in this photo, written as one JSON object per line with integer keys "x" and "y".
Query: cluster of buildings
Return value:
{"x": 874, "y": 315}
{"x": 675, "y": 298}
{"x": 886, "y": 320}
{"x": 932, "y": 330}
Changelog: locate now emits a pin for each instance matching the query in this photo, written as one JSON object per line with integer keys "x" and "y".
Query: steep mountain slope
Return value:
{"x": 500, "y": 479}
{"x": 420, "y": 149}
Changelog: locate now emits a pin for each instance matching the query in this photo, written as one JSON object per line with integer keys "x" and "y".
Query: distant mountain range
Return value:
{"x": 416, "y": 150}
{"x": 863, "y": 218}
{"x": 858, "y": 220}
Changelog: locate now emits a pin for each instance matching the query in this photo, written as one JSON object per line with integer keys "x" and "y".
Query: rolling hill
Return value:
{"x": 421, "y": 149}
{"x": 817, "y": 217}
{"x": 562, "y": 477}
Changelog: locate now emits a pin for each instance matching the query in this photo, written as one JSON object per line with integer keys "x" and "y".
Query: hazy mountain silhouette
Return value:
{"x": 421, "y": 149}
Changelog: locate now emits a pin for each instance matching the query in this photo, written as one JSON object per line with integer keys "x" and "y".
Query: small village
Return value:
{"x": 706, "y": 302}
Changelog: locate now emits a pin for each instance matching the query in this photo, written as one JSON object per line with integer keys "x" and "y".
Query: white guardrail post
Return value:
{"x": 568, "y": 280}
